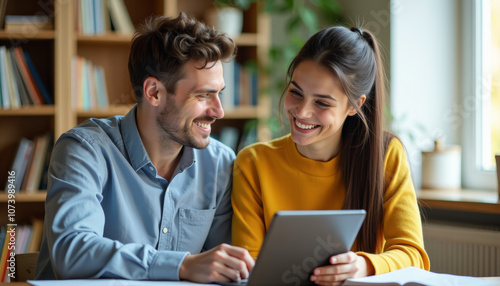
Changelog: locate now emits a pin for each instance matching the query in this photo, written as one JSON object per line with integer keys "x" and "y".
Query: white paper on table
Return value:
{"x": 413, "y": 276}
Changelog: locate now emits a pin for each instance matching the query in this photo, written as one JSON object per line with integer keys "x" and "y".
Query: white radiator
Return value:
{"x": 462, "y": 250}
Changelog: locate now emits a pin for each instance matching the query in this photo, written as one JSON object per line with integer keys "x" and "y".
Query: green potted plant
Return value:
{"x": 303, "y": 19}
{"x": 241, "y": 4}
{"x": 227, "y": 15}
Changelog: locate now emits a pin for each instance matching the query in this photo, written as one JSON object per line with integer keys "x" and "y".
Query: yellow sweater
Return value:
{"x": 274, "y": 176}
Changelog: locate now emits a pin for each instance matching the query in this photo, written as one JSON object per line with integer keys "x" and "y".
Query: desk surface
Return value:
{"x": 494, "y": 279}
{"x": 460, "y": 200}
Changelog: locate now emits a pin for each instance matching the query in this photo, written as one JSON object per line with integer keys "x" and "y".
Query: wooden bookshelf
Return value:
{"x": 37, "y": 197}
{"x": 52, "y": 52}
{"x": 40, "y": 35}
{"x": 41, "y": 110}
{"x": 106, "y": 39}
{"x": 101, "y": 113}
{"x": 27, "y": 206}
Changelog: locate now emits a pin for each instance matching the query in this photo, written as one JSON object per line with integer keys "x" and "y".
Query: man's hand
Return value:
{"x": 224, "y": 263}
{"x": 343, "y": 266}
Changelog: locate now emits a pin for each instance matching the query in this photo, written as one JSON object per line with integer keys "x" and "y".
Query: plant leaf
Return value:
{"x": 243, "y": 4}
{"x": 293, "y": 23}
{"x": 309, "y": 19}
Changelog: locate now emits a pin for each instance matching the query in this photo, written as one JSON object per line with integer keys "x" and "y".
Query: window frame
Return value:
{"x": 473, "y": 176}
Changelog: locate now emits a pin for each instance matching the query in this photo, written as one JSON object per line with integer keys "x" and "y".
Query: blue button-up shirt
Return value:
{"x": 109, "y": 214}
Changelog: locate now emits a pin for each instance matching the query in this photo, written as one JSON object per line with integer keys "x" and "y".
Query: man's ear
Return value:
{"x": 360, "y": 101}
{"x": 151, "y": 89}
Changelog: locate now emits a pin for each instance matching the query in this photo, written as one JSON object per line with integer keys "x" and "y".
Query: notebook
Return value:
{"x": 299, "y": 241}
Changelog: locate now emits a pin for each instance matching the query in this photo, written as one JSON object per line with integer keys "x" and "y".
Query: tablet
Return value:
{"x": 299, "y": 241}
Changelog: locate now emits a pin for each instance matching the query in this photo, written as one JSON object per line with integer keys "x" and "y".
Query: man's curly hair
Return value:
{"x": 162, "y": 45}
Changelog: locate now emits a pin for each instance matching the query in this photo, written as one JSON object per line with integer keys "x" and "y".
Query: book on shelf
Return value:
{"x": 28, "y": 238}
{"x": 3, "y": 9}
{"x": 3, "y": 236}
{"x": 23, "y": 236}
{"x": 7, "y": 251}
{"x": 241, "y": 85}
{"x": 36, "y": 166}
{"x": 47, "y": 98}
{"x": 22, "y": 88}
{"x": 248, "y": 85}
{"x": 20, "y": 163}
{"x": 3, "y": 254}
{"x": 31, "y": 163}
{"x": 88, "y": 19}
{"x": 236, "y": 82}
{"x": 96, "y": 17}
{"x": 120, "y": 18}
{"x": 88, "y": 85}
{"x": 227, "y": 95}
{"x": 4, "y": 90}
{"x": 101, "y": 87}
{"x": 254, "y": 87}
{"x": 106, "y": 17}
{"x": 20, "y": 83}
{"x": 27, "y": 77}
{"x": 13, "y": 92}
{"x": 3, "y": 257}
{"x": 102, "y": 21}
{"x": 28, "y": 23}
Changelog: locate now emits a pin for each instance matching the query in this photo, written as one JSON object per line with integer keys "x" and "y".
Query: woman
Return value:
{"x": 337, "y": 156}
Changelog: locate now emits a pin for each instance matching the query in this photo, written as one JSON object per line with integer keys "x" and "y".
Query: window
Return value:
{"x": 495, "y": 83}
{"x": 481, "y": 92}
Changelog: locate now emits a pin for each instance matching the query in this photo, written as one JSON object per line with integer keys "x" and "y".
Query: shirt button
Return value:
{"x": 165, "y": 230}
{"x": 168, "y": 189}
{"x": 151, "y": 168}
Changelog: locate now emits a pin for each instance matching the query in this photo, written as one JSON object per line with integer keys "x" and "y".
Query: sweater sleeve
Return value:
{"x": 402, "y": 244}
{"x": 248, "y": 225}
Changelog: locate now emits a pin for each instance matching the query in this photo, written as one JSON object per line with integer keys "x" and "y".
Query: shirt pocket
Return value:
{"x": 194, "y": 226}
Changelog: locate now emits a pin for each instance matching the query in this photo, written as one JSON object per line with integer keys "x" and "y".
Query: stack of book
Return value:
{"x": 28, "y": 23}
{"x": 100, "y": 16}
{"x": 27, "y": 239}
{"x": 241, "y": 85}
{"x": 31, "y": 164}
{"x": 20, "y": 83}
{"x": 88, "y": 85}
{"x": 24, "y": 23}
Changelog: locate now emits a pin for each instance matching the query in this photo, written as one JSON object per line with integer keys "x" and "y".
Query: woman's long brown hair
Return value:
{"x": 353, "y": 56}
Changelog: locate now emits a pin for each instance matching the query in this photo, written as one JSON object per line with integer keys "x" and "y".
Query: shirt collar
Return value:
{"x": 187, "y": 159}
{"x": 136, "y": 150}
{"x": 132, "y": 140}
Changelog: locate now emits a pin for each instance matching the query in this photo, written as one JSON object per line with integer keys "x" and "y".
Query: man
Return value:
{"x": 147, "y": 195}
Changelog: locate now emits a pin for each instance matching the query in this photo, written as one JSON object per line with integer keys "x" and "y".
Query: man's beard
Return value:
{"x": 168, "y": 128}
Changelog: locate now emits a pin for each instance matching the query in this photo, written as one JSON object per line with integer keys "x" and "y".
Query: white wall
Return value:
{"x": 375, "y": 16}
{"x": 425, "y": 73}
{"x": 421, "y": 43}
